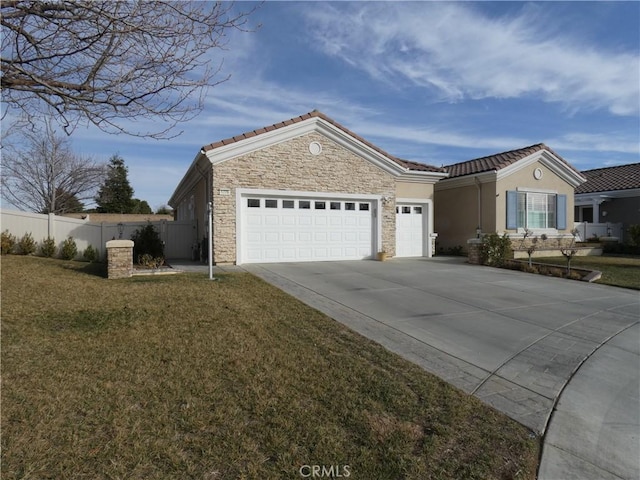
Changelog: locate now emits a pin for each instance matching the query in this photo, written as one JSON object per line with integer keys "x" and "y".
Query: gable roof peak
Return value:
{"x": 409, "y": 165}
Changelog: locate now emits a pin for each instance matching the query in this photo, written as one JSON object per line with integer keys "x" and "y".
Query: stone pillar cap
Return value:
{"x": 120, "y": 243}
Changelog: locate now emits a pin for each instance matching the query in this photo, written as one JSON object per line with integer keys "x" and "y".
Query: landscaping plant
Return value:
{"x": 146, "y": 241}
{"x": 69, "y": 249}
{"x": 91, "y": 254}
{"x": 634, "y": 233}
{"x": 8, "y": 243}
{"x": 495, "y": 250}
{"x": 48, "y": 247}
{"x": 26, "y": 245}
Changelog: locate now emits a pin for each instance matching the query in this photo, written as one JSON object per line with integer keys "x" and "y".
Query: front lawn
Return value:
{"x": 175, "y": 377}
{"x": 617, "y": 270}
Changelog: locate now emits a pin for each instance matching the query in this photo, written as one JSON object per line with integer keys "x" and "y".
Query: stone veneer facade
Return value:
{"x": 119, "y": 258}
{"x": 290, "y": 166}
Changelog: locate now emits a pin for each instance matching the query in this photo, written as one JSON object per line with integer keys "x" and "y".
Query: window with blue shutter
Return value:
{"x": 512, "y": 209}
{"x": 561, "y": 212}
{"x": 536, "y": 210}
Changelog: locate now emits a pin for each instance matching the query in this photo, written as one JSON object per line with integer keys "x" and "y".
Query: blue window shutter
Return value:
{"x": 561, "y": 213}
{"x": 512, "y": 209}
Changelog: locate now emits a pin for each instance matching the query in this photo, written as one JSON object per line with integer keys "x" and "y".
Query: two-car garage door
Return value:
{"x": 301, "y": 229}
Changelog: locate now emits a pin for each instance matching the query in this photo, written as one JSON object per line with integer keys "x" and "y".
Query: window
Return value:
{"x": 536, "y": 210}
{"x": 288, "y": 204}
{"x": 417, "y": 210}
{"x": 271, "y": 203}
{"x": 304, "y": 204}
{"x": 406, "y": 209}
{"x": 349, "y": 206}
{"x": 335, "y": 205}
{"x": 364, "y": 206}
{"x": 320, "y": 205}
{"x": 253, "y": 202}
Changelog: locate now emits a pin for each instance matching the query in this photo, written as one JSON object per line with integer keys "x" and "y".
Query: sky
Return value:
{"x": 431, "y": 82}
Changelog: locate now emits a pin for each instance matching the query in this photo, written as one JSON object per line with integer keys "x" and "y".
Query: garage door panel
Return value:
{"x": 340, "y": 230}
{"x": 410, "y": 225}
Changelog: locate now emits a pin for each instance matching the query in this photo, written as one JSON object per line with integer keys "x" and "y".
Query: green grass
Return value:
{"x": 180, "y": 377}
{"x": 617, "y": 270}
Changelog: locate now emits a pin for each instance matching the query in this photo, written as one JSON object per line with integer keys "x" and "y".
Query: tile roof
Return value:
{"x": 414, "y": 166}
{"x": 496, "y": 162}
{"x": 621, "y": 177}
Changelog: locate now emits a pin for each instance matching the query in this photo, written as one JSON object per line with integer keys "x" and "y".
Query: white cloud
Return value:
{"x": 459, "y": 52}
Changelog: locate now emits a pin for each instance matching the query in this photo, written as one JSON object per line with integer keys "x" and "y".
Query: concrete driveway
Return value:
{"x": 512, "y": 339}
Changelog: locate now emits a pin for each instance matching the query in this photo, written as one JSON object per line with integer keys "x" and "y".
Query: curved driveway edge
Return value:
{"x": 605, "y": 444}
{"x": 512, "y": 339}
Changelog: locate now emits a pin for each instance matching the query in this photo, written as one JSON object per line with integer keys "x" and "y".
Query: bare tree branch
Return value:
{"x": 45, "y": 175}
{"x": 102, "y": 62}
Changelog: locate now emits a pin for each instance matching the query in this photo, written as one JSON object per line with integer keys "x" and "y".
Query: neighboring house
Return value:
{"x": 307, "y": 189}
{"x": 610, "y": 195}
{"x": 529, "y": 188}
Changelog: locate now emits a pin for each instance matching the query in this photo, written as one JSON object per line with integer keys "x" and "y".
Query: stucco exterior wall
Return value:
{"x": 455, "y": 215}
{"x": 290, "y": 166}
{"x": 414, "y": 190}
{"x": 524, "y": 178}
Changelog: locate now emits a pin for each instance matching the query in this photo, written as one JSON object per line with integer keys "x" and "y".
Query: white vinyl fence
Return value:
{"x": 178, "y": 237}
{"x": 588, "y": 230}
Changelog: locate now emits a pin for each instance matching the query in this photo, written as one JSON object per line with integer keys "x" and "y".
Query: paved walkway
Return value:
{"x": 516, "y": 341}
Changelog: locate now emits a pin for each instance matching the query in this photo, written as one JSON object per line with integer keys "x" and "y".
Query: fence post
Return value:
{"x": 51, "y": 228}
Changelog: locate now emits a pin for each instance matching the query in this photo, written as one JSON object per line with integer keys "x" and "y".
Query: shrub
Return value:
{"x": 456, "y": 251}
{"x": 495, "y": 250}
{"x": 48, "y": 247}
{"x": 27, "y": 245}
{"x": 146, "y": 241}
{"x": 634, "y": 233}
{"x": 148, "y": 261}
{"x": 91, "y": 254}
{"x": 69, "y": 249}
{"x": 8, "y": 243}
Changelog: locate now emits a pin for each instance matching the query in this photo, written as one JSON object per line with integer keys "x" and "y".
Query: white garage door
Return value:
{"x": 410, "y": 222}
{"x": 280, "y": 229}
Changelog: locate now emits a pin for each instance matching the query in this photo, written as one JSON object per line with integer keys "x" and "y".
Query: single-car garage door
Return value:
{"x": 289, "y": 229}
{"x": 410, "y": 226}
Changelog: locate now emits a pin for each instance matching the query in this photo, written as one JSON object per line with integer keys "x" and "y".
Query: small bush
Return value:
{"x": 146, "y": 241}
{"x": 69, "y": 249}
{"x": 27, "y": 245}
{"x": 91, "y": 254}
{"x": 48, "y": 247}
{"x": 634, "y": 233}
{"x": 495, "y": 250}
{"x": 456, "y": 251}
{"x": 8, "y": 243}
{"x": 149, "y": 261}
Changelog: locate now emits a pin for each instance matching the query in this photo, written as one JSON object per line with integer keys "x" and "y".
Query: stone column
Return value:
{"x": 473, "y": 247}
{"x": 119, "y": 258}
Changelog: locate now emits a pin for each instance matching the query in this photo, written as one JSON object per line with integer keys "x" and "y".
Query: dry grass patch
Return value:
{"x": 180, "y": 377}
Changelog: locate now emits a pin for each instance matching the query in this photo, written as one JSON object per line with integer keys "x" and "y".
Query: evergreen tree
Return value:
{"x": 141, "y": 206}
{"x": 116, "y": 194}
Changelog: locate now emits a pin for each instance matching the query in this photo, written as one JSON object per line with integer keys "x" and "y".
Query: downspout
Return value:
{"x": 479, "y": 187}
